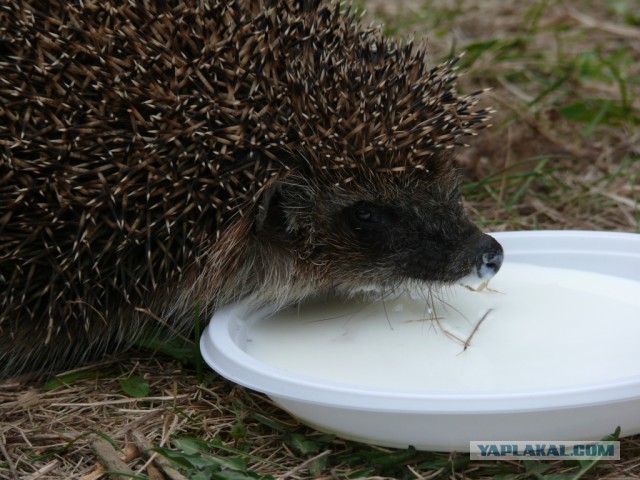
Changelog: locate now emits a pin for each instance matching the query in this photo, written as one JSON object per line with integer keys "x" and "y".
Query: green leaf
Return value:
{"x": 134, "y": 386}
{"x": 613, "y": 437}
{"x": 231, "y": 475}
{"x": 230, "y": 463}
{"x": 384, "y": 459}
{"x": 318, "y": 466}
{"x": 177, "y": 348}
{"x": 203, "y": 475}
{"x": 360, "y": 473}
{"x": 536, "y": 468}
{"x": 134, "y": 476}
{"x": 178, "y": 458}
{"x": 238, "y": 430}
{"x": 302, "y": 444}
{"x": 191, "y": 445}
{"x": 270, "y": 422}
{"x": 68, "y": 379}
{"x": 594, "y": 111}
{"x": 509, "y": 476}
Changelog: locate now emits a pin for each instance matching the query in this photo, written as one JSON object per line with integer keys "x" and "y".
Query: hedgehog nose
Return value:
{"x": 488, "y": 257}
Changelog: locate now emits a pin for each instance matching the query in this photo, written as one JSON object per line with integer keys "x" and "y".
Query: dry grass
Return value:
{"x": 563, "y": 154}
{"x": 53, "y": 434}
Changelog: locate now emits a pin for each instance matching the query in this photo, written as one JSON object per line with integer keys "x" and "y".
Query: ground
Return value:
{"x": 563, "y": 153}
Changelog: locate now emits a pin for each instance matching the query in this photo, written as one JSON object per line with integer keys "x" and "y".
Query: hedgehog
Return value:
{"x": 163, "y": 157}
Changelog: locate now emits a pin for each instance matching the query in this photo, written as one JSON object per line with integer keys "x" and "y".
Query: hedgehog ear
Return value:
{"x": 271, "y": 216}
{"x": 268, "y": 202}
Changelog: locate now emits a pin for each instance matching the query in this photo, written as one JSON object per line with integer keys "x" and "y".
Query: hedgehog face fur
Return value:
{"x": 158, "y": 156}
{"x": 375, "y": 234}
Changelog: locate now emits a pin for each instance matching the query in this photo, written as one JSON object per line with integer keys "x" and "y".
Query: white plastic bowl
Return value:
{"x": 447, "y": 422}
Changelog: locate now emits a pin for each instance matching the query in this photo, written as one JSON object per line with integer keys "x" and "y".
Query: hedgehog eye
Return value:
{"x": 367, "y": 216}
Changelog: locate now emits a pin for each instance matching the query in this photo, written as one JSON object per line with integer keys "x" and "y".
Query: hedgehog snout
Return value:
{"x": 488, "y": 257}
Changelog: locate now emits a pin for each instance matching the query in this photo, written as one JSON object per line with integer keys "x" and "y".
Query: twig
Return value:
{"x": 96, "y": 474}
{"x": 110, "y": 459}
{"x": 144, "y": 446}
{"x": 43, "y": 470}
{"x": 121, "y": 401}
{"x": 475, "y": 329}
{"x": 304, "y": 464}
{"x": 5, "y": 454}
{"x": 140, "y": 421}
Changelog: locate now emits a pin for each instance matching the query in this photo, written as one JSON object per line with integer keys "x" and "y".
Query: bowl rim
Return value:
{"x": 220, "y": 350}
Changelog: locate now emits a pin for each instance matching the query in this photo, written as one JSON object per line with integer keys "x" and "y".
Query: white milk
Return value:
{"x": 548, "y": 328}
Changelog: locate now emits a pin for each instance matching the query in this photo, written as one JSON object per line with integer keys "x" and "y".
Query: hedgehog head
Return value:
{"x": 367, "y": 196}
{"x": 360, "y": 192}
{"x": 377, "y": 234}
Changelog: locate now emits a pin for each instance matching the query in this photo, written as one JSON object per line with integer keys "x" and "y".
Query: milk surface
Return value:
{"x": 545, "y": 329}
